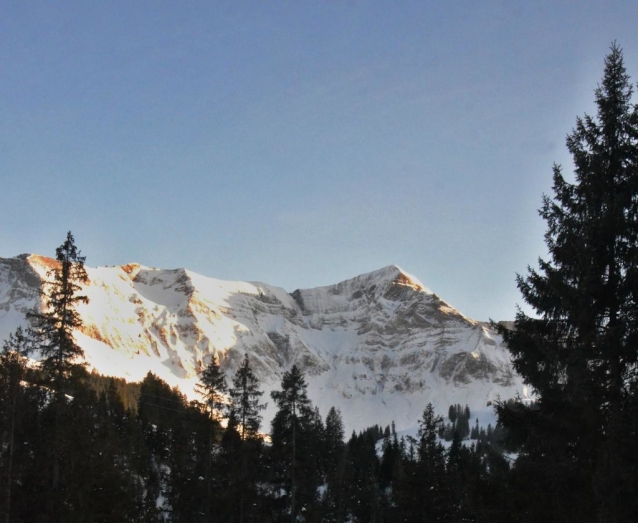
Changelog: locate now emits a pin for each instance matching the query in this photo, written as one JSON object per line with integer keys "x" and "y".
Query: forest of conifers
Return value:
{"x": 78, "y": 447}
{"x": 161, "y": 458}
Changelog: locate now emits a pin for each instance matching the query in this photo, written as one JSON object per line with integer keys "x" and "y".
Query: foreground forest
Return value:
{"x": 161, "y": 458}
{"x": 77, "y": 447}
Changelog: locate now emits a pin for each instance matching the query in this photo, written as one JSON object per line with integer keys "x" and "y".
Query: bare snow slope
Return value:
{"x": 379, "y": 346}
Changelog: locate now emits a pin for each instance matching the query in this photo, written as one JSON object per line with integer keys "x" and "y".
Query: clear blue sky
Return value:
{"x": 298, "y": 143}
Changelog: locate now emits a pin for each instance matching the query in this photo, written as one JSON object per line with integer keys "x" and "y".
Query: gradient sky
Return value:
{"x": 298, "y": 143}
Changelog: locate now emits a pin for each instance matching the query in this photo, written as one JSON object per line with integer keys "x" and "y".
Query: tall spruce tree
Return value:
{"x": 213, "y": 388}
{"x": 289, "y": 426}
{"x": 432, "y": 495}
{"x": 333, "y": 442}
{"x": 334, "y": 461}
{"x": 245, "y": 406}
{"x": 53, "y": 326}
{"x": 52, "y": 330}
{"x": 579, "y": 354}
{"x": 245, "y": 417}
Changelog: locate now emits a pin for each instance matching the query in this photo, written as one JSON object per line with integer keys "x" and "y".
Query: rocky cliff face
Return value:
{"x": 379, "y": 346}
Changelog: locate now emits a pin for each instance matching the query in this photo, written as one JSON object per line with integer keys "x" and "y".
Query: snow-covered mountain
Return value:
{"x": 379, "y": 346}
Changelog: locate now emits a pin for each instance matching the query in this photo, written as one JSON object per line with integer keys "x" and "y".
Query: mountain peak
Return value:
{"x": 393, "y": 274}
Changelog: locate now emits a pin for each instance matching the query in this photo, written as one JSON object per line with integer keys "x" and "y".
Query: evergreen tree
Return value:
{"x": 53, "y": 326}
{"x": 580, "y": 353}
{"x": 474, "y": 434}
{"x": 13, "y": 370}
{"x": 244, "y": 406}
{"x": 289, "y": 428}
{"x": 52, "y": 330}
{"x": 334, "y": 452}
{"x": 391, "y": 474}
{"x": 432, "y": 495}
{"x": 245, "y": 421}
{"x": 451, "y": 413}
{"x": 362, "y": 496}
{"x": 186, "y": 485}
{"x": 213, "y": 388}
{"x": 333, "y": 441}
{"x": 458, "y": 463}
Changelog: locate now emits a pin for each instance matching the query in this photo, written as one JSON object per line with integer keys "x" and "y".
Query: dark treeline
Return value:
{"x": 76, "y": 447}
{"x": 168, "y": 459}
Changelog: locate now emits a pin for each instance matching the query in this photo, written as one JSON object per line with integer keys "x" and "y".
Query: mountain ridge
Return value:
{"x": 379, "y": 345}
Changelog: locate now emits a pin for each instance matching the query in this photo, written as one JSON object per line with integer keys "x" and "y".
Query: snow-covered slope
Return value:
{"x": 379, "y": 346}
